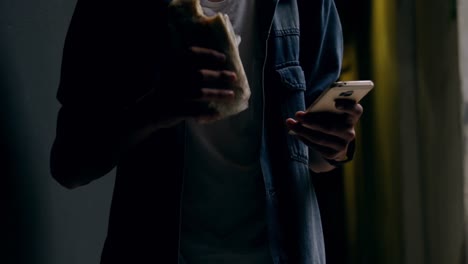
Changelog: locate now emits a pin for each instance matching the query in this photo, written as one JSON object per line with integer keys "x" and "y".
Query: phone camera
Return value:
{"x": 346, "y": 94}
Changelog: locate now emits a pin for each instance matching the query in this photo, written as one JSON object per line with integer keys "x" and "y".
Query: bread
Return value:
{"x": 189, "y": 26}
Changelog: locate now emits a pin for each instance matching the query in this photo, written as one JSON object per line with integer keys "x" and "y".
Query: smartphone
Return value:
{"x": 352, "y": 90}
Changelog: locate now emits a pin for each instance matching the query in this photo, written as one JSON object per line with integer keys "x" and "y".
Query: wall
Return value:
{"x": 44, "y": 222}
{"x": 440, "y": 131}
{"x": 411, "y": 190}
{"x": 463, "y": 51}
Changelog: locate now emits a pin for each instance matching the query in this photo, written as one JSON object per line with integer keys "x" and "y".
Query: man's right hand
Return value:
{"x": 193, "y": 79}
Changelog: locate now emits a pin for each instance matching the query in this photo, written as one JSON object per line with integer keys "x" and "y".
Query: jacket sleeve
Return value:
{"x": 109, "y": 62}
{"x": 321, "y": 45}
{"x": 321, "y": 53}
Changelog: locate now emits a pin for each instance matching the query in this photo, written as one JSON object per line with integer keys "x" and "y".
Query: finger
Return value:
{"x": 316, "y": 137}
{"x": 326, "y": 152}
{"x": 343, "y": 131}
{"x": 349, "y": 107}
{"x": 205, "y": 119}
{"x": 327, "y": 120}
{"x": 336, "y": 145}
{"x": 347, "y": 135}
{"x": 201, "y": 51}
{"x": 219, "y": 95}
{"x": 213, "y": 79}
{"x": 219, "y": 80}
{"x": 206, "y": 58}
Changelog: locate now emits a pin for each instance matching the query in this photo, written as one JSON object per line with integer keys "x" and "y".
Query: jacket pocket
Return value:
{"x": 292, "y": 77}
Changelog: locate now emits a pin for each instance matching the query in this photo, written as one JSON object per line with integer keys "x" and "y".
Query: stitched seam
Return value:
{"x": 300, "y": 158}
{"x": 295, "y": 85}
{"x": 287, "y": 64}
{"x": 286, "y": 32}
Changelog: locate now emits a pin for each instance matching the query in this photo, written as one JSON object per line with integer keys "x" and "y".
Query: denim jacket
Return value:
{"x": 303, "y": 58}
{"x": 302, "y": 54}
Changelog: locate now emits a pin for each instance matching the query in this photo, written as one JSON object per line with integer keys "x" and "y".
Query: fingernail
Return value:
{"x": 231, "y": 76}
{"x": 230, "y": 93}
{"x": 222, "y": 57}
{"x": 291, "y": 121}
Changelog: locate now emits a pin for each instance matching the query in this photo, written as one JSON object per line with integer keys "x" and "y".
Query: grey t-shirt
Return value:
{"x": 223, "y": 205}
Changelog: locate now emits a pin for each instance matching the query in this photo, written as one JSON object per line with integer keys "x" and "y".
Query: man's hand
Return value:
{"x": 326, "y": 132}
{"x": 199, "y": 76}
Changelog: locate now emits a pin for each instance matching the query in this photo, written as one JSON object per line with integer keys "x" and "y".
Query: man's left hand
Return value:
{"x": 329, "y": 133}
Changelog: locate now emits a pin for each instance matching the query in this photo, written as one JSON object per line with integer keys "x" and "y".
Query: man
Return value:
{"x": 189, "y": 191}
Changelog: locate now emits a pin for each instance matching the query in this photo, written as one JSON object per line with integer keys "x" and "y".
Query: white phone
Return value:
{"x": 352, "y": 90}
